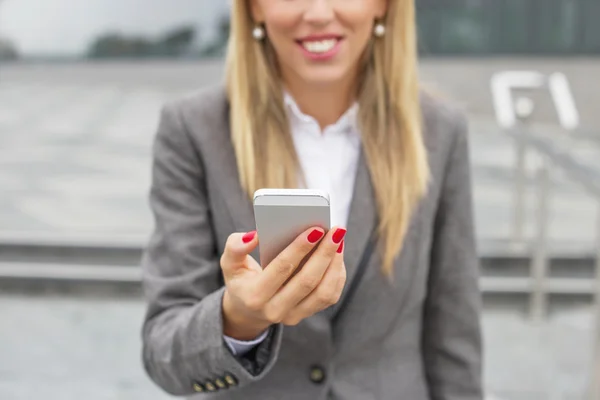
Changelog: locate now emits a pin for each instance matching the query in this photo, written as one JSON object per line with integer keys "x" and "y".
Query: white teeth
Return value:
{"x": 321, "y": 46}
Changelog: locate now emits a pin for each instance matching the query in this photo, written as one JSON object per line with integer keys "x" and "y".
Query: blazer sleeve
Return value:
{"x": 183, "y": 347}
{"x": 451, "y": 336}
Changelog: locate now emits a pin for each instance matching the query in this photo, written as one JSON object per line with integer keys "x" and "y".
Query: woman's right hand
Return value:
{"x": 257, "y": 298}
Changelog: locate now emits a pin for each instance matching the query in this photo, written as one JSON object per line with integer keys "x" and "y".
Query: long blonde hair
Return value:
{"x": 389, "y": 119}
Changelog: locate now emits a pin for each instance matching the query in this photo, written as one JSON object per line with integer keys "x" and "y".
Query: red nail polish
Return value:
{"x": 341, "y": 248}
{"x": 338, "y": 236}
{"x": 248, "y": 237}
{"x": 314, "y": 236}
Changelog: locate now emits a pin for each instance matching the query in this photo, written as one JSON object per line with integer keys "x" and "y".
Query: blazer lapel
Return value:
{"x": 226, "y": 174}
{"x": 361, "y": 220}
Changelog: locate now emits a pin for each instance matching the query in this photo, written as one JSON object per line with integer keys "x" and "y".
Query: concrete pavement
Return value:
{"x": 72, "y": 348}
{"x": 76, "y": 159}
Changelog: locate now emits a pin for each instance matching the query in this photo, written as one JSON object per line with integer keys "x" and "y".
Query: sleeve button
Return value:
{"x": 210, "y": 387}
{"x": 198, "y": 388}
{"x": 219, "y": 382}
{"x": 230, "y": 379}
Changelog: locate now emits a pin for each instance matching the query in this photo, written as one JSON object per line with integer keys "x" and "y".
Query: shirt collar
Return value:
{"x": 348, "y": 122}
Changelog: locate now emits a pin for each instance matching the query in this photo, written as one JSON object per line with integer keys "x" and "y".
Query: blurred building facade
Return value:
{"x": 519, "y": 27}
{"x": 196, "y": 29}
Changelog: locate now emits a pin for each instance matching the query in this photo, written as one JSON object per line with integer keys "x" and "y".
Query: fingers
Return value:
{"x": 237, "y": 249}
{"x": 311, "y": 274}
{"x": 326, "y": 294}
{"x": 283, "y": 266}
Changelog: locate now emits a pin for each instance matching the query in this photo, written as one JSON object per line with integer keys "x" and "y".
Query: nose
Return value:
{"x": 319, "y": 12}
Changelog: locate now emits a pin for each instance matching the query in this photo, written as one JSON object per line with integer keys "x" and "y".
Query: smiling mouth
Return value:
{"x": 319, "y": 46}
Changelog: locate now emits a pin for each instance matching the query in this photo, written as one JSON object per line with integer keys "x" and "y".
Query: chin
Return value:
{"x": 322, "y": 76}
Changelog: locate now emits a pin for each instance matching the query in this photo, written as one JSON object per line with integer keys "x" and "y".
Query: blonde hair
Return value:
{"x": 389, "y": 119}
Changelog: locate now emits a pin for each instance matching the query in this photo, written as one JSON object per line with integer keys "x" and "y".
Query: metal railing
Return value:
{"x": 553, "y": 160}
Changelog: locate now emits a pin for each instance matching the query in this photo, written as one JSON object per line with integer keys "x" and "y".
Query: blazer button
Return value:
{"x": 317, "y": 375}
{"x": 210, "y": 387}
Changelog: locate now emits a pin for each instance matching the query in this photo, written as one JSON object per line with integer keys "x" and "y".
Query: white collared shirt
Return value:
{"x": 328, "y": 159}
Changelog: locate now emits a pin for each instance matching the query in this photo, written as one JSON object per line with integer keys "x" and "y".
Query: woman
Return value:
{"x": 322, "y": 94}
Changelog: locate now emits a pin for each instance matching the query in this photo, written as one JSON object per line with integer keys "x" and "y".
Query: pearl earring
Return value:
{"x": 258, "y": 33}
{"x": 379, "y": 30}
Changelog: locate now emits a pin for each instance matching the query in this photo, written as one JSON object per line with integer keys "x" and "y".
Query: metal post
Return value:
{"x": 524, "y": 108}
{"x": 520, "y": 186}
{"x": 594, "y": 391}
{"x": 539, "y": 266}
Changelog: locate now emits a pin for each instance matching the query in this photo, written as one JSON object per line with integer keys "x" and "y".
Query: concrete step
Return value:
{"x": 505, "y": 265}
{"x": 70, "y": 272}
{"x": 132, "y": 274}
{"x": 119, "y": 250}
{"x": 575, "y": 286}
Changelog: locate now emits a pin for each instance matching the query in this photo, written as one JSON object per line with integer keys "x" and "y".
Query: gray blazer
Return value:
{"x": 415, "y": 338}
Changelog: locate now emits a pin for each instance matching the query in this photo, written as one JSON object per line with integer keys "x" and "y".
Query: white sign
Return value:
{"x": 503, "y": 83}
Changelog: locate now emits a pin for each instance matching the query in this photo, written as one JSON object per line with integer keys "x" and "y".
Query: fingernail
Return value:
{"x": 338, "y": 235}
{"x": 314, "y": 236}
{"x": 341, "y": 248}
{"x": 248, "y": 237}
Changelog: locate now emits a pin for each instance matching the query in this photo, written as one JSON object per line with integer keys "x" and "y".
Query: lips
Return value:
{"x": 319, "y": 44}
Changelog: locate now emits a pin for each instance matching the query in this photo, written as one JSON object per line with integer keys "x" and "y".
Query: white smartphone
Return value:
{"x": 283, "y": 214}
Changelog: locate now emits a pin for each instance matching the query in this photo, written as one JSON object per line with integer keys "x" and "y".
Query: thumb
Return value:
{"x": 237, "y": 249}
